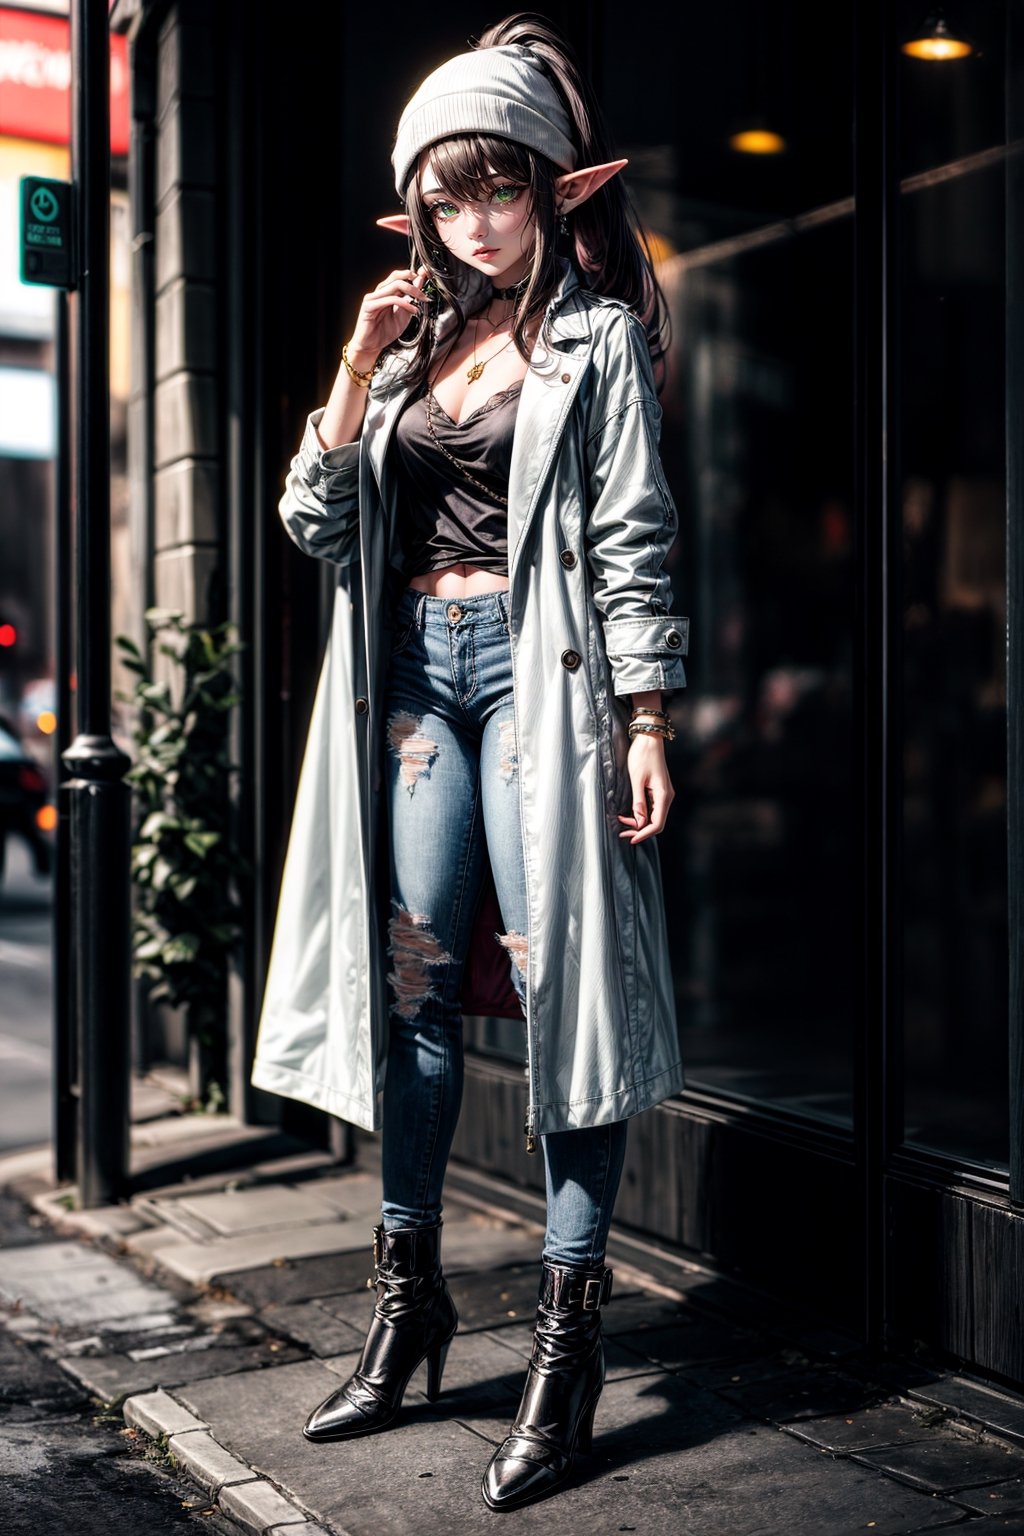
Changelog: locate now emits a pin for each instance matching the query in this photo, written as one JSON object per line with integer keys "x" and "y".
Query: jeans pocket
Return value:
{"x": 403, "y": 635}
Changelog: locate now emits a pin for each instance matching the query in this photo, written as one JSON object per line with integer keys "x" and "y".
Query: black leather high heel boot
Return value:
{"x": 414, "y": 1319}
{"x": 563, "y": 1383}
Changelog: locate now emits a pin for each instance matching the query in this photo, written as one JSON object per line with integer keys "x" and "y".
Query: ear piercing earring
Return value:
{"x": 563, "y": 224}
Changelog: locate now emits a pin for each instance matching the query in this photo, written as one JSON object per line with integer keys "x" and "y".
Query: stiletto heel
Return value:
{"x": 585, "y": 1435}
{"x": 435, "y": 1368}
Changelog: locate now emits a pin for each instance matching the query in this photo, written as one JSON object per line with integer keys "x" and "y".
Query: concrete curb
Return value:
{"x": 251, "y": 1501}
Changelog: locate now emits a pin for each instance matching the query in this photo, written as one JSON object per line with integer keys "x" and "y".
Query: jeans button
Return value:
{"x": 454, "y": 612}
{"x": 567, "y": 558}
{"x": 362, "y": 705}
{"x": 571, "y": 659}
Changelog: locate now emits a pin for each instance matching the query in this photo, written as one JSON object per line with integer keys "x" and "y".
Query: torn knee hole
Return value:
{"x": 515, "y": 945}
{"x": 413, "y": 948}
{"x": 415, "y": 752}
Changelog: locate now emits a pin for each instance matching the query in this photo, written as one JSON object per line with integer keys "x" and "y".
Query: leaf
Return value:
{"x": 159, "y": 821}
{"x": 200, "y": 843}
{"x": 185, "y": 946}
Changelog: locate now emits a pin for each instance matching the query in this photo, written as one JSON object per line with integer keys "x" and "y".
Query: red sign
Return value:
{"x": 35, "y": 80}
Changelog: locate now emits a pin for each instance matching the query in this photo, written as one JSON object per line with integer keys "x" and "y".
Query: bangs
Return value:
{"x": 459, "y": 164}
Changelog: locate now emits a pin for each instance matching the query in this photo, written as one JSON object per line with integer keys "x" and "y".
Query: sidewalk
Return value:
{"x": 217, "y": 1311}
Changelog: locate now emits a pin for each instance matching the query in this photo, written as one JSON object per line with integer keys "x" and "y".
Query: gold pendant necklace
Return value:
{"x": 474, "y": 372}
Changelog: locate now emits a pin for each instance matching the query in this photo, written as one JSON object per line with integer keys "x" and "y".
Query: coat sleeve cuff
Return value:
{"x": 326, "y": 469}
{"x": 645, "y": 654}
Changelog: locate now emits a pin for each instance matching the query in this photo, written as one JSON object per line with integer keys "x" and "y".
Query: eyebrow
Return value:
{"x": 435, "y": 191}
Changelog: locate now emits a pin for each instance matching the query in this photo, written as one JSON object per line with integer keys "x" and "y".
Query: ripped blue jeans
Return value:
{"x": 452, "y": 782}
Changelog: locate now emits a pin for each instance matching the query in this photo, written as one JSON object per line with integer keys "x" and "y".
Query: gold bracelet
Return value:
{"x": 363, "y": 379}
{"x": 660, "y": 713}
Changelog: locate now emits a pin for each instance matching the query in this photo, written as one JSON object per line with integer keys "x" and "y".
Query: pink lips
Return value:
{"x": 486, "y": 250}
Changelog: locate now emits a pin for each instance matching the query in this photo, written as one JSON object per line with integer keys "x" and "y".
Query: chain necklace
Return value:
{"x": 495, "y": 495}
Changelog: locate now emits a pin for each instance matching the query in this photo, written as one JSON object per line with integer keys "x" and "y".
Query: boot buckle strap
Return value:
{"x": 378, "y": 1257}
{"x": 596, "y": 1292}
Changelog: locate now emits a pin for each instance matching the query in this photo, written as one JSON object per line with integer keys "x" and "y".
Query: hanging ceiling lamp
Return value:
{"x": 756, "y": 138}
{"x": 934, "y": 42}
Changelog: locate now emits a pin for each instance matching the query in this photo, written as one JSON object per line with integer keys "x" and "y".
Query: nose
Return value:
{"x": 476, "y": 222}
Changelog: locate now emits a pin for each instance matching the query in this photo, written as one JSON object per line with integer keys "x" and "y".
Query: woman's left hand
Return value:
{"x": 648, "y": 777}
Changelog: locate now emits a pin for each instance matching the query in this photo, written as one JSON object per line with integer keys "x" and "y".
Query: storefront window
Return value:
{"x": 746, "y": 183}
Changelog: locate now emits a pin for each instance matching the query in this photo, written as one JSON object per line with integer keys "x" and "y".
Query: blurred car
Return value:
{"x": 25, "y": 807}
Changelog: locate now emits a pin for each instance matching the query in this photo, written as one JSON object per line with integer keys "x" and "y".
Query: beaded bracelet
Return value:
{"x": 651, "y": 728}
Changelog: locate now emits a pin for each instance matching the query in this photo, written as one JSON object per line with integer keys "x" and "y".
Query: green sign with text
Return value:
{"x": 47, "y": 244}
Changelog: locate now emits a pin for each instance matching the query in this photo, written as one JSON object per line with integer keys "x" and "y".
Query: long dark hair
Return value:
{"x": 606, "y": 243}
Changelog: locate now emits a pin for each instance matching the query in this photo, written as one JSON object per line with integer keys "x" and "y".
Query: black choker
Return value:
{"x": 513, "y": 292}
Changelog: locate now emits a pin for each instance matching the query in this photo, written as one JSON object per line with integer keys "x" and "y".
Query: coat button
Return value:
{"x": 571, "y": 659}
{"x": 362, "y": 705}
{"x": 567, "y": 558}
{"x": 674, "y": 639}
{"x": 454, "y": 612}
{"x": 566, "y": 378}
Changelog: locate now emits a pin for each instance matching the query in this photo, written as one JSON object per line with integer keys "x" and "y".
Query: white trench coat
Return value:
{"x": 590, "y": 521}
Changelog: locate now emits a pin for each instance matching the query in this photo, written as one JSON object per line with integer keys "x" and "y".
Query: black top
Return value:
{"x": 444, "y": 519}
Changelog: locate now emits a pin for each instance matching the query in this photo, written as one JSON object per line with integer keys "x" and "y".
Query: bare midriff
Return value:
{"x": 459, "y": 581}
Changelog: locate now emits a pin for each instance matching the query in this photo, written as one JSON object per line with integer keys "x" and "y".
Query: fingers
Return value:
{"x": 652, "y": 796}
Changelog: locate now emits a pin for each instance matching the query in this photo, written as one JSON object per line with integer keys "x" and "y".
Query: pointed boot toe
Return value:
{"x": 338, "y": 1417}
{"x": 521, "y": 1471}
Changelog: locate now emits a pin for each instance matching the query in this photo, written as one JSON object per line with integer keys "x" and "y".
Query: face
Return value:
{"x": 494, "y": 234}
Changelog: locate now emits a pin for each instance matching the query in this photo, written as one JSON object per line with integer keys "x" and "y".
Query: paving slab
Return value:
{"x": 69, "y": 1283}
{"x": 200, "y": 1263}
{"x": 312, "y": 1325}
{"x": 300, "y": 1279}
{"x": 994, "y": 1498}
{"x": 264, "y": 1208}
{"x": 984, "y": 1405}
{"x": 889, "y": 1423}
{"x": 802, "y": 1394}
{"x": 947, "y": 1463}
{"x": 686, "y": 1346}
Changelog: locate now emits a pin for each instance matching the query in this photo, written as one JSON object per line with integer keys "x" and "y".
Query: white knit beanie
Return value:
{"x": 504, "y": 91}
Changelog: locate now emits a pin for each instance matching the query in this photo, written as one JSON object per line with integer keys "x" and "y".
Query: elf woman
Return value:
{"x": 485, "y": 478}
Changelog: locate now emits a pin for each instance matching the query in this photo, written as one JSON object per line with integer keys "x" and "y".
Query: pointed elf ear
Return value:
{"x": 574, "y": 187}
{"x": 398, "y": 222}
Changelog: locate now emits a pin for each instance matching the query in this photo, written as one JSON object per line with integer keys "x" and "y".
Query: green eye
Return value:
{"x": 443, "y": 210}
{"x": 507, "y": 194}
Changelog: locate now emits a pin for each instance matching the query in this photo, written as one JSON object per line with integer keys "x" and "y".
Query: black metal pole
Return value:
{"x": 65, "y": 1066}
{"x": 99, "y": 800}
{"x": 1014, "y": 577}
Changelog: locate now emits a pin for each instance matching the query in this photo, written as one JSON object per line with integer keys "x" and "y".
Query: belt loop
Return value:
{"x": 418, "y": 615}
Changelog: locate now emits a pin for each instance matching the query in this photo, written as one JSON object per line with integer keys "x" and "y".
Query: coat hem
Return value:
{"x": 313, "y": 1091}
{"x": 604, "y": 1108}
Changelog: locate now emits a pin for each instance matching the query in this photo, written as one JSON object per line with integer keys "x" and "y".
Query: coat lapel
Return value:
{"x": 548, "y": 392}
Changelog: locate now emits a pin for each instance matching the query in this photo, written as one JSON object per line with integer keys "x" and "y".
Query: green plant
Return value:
{"x": 185, "y": 862}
